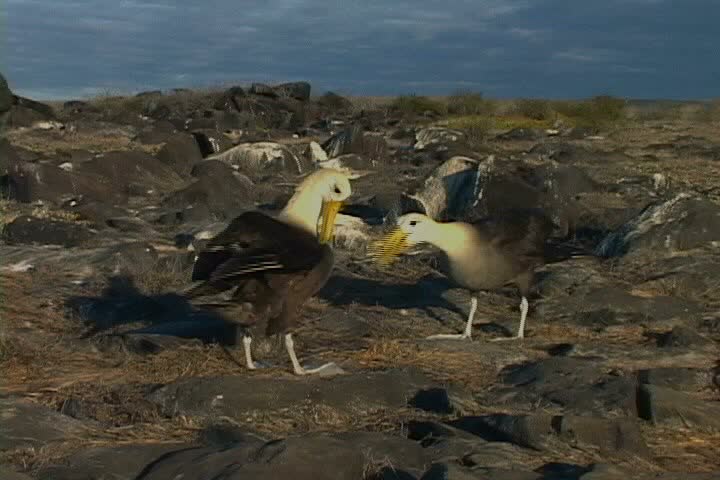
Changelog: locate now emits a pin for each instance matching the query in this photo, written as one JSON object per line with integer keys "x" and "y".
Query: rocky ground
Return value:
{"x": 108, "y": 373}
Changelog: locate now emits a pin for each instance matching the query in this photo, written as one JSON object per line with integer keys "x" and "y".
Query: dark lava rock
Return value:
{"x": 537, "y": 431}
{"x": 211, "y": 196}
{"x": 8, "y": 157}
{"x": 521, "y": 134}
{"x": 354, "y": 456}
{"x": 297, "y": 90}
{"x": 7, "y": 474}
{"x": 681, "y": 223}
{"x": 28, "y": 424}
{"x": 686, "y": 379}
{"x": 211, "y": 141}
{"x": 30, "y": 182}
{"x": 229, "y": 99}
{"x": 355, "y": 140}
{"x": 334, "y": 102}
{"x": 32, "y": 230}
{"x": 134, "y": 167}
{"x": 576, "y": 384}
{"x": 452, "y": 471}
{"x": 233, "y": 396}
{"x": 6, "y": 101}
{"x": 682, "y": 336}
{"x": 158, "y": 132}
{"x": 181, "y": 152}
{"x": 76, "y": 106}
{"x": 262, "y": 89}
{"x": 123, "y": 462}
{"x": 131, "y": 224}
{"x": 211, "y": 168}
{"x": 667, "y": 406}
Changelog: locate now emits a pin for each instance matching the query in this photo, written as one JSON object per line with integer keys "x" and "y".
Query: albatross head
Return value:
{"x": 317, "y": 201}
{"x": 334, "y": 186}
{"x": 411, "y": 229}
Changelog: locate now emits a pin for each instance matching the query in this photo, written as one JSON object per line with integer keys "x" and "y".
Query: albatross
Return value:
{"x": 487, "y": 254}
{"x": 276, "y": 263}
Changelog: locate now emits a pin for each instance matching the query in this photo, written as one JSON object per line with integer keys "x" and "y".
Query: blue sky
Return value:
{"x": 61, "y": 49}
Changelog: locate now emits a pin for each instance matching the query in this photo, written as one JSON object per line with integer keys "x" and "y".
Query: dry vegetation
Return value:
{"x": 41, "y": 361}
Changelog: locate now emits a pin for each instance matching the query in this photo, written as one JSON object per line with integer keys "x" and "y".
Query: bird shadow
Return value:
{"x": 121, "y": 303}
{"x": 427, "y": 293}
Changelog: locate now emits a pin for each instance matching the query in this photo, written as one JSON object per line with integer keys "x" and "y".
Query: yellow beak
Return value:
{"x": 385, "y": 250}
{"x": 328, "y": 213}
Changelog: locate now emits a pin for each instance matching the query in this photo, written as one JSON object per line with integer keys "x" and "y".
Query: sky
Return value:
{"x": 63, "y": 49}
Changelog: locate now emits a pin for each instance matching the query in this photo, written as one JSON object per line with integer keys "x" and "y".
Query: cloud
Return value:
{"x": 514, "y": 47}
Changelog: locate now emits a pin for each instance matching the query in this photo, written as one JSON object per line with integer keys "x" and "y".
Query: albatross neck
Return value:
{"x": 303, "y": 209}
{"x": 451, "y": 237}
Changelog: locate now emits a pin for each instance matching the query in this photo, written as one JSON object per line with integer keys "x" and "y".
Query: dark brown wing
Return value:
{"x": 521, "y": 232}
{"x": 253, "y": 244}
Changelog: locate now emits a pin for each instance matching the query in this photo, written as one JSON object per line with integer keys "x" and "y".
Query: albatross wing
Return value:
{"x": 253, "y": 244}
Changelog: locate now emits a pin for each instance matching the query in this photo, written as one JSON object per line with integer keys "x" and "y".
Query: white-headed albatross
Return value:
{"x": 276, "y": 263}
{"x": 484, "y": 255}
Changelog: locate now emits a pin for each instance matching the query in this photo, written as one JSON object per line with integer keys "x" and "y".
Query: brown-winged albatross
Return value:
{"x": 484, "y": 255}
{"x": 276, "y": 263}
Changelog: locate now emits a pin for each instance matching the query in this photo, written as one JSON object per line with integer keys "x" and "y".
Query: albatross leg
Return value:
{"x": 468, "y": 326}
{"x": 247, "y": 340}
{"x": 521, "y": 329}
{"x": 523, "y": 316}
{"x": 299, "y": 370}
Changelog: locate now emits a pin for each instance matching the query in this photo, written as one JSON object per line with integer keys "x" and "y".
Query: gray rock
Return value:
{"x": 451, "y": 188}
{"x": 124, "y": 462}
{"x": 610, "y": 436}
{"x": 42, "y": 231}
{"x": 127, "y": 168}
{"x": 681, "y": 223}
{"x": 297, "y": 90}
{"x": 355, "y": 140}
{"x": 354, "y": 456}
{"x": 451, "y": 471}
{"x": 30, "y": 182}
{"x": 577, "y": 385}
{"x": 181, "y": 152}
{"x": 211, "y": 141}
{"x": 233, "y": 396}
{"x": 7, "y": 474}
{"x": 682, "y": 336}
{"x": 686, "y": 379}
{"x": 262, "y": 157}
{"x": 437, "y": 135}
{"x": 27, "y": 424}
{"x": 667, "y": 406}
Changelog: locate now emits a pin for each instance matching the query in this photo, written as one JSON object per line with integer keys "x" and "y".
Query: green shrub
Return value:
{"x": 535, "y": 109}
{"x": 469, "y": 103}
{"x": 597, "y": 112}
{"x": 418, "y": 105}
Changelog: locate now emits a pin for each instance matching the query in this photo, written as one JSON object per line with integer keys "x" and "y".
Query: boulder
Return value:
{"x": 315, "y": 153}
{"x": 27, "y": 424}
{"x": 217, "y": 197}
{"x": 139, "y": 172}
{"x": 30, "y": 182}
{"x": 181, "y": 152}
{"x": 450, "y": 189}
{"x": 211, "y": 141}
{"x": 297, "y": 90}
{"x": 31, "y": 230}
{"x": 356, "y": 140}
{"x": 437, "y": 136}
{"x": 681, "y": 223}
{"x": 302, "y": 457}
{"x": 263, "y": 157}
{"x": 662, "y": 405}
{"x": 234, "y": 396}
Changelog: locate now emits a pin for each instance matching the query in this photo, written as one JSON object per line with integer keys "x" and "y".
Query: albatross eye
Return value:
{"x": 413, "y": 223}
{"x": 337, "y": 190}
